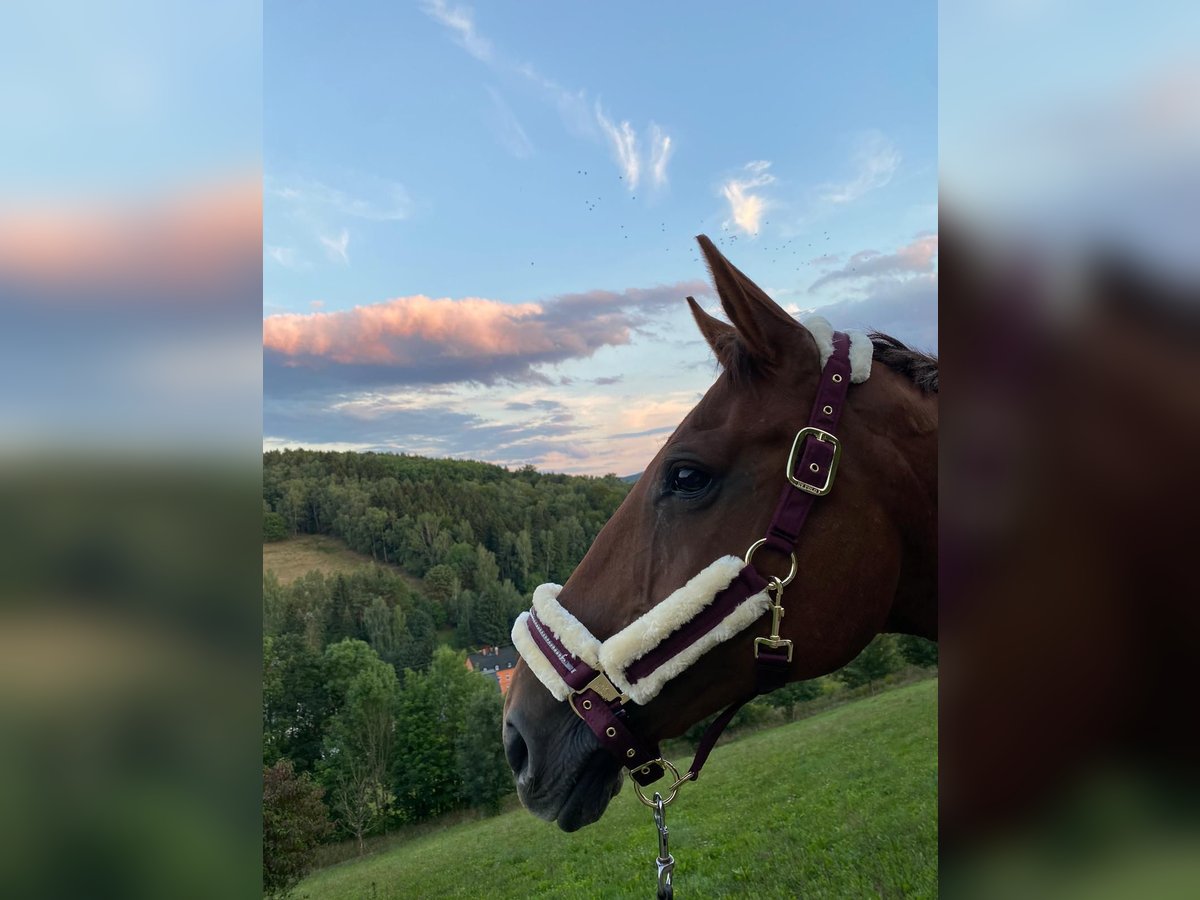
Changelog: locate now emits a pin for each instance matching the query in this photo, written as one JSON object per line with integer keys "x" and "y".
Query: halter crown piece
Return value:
{"x": 598, "y": 678}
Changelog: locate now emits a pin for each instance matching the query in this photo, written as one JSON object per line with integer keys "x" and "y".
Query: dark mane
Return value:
{"x": 920, "y": 368}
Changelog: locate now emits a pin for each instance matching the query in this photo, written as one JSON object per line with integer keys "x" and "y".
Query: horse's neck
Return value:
{"x": 914, "y": 609}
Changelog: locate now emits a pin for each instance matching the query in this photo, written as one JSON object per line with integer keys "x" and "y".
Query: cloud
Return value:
{"x": 660, "y": 154}
{"x": 419, "y": 340}
{"x": 623, "y": 140}
{"x": 875, "y": 160}
{"x": 906, "y": 308}
{"x": 914, "y": 258}
{"x": 460, "y": 20}
{"x": 891, "y": 292}
{"x": 590, "y": 433}
{"x": 362, "y": 197}
{"x": 508, "y": 129}
{"x": 745, "y": 207}
{"x": 284, "y": 256}
{"x": 337, "y": 247}
{"x": 573, "y": 105}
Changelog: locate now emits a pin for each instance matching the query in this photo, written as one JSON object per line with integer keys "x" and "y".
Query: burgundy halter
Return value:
{"x": 811, "y": 467}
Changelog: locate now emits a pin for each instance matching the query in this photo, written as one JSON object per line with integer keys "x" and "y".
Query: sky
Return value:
{"x": 479, "y": 221}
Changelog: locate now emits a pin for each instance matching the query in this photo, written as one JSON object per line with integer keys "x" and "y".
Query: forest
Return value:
{"x": 367, "y": 701}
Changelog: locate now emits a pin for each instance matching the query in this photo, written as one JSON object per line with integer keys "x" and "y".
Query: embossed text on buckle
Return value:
{"x": 820, "y": 435}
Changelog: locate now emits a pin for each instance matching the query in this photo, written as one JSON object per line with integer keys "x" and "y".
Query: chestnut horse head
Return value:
{"x": 866, "y": 558}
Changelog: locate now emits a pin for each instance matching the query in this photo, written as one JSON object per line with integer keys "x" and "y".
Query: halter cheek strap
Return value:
{"x": 598, "y": 678}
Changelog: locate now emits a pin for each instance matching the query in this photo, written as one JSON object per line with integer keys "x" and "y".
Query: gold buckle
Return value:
{"x": 601, "y": 685}
{"x": 820, "y": 435}
{"x": 605, "y": 688}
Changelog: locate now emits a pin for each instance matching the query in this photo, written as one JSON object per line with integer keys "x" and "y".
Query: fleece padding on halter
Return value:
{"x": 861, "y": 349}
{"x": 649, "y": 631}
{"x": 617, "y": 655}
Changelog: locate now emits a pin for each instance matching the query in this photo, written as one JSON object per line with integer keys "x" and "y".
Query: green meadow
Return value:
{"x": 842, "y": 804}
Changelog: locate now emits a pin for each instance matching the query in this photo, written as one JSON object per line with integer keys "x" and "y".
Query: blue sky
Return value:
{"x": 479, "y": 221}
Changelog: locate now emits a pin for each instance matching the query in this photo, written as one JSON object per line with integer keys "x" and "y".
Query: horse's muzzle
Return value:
{"x": 571, "y": 787}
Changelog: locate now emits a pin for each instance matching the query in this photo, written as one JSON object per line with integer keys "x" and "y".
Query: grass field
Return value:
{"x": 301, "y": 554}
{"x": 843, "y": 804}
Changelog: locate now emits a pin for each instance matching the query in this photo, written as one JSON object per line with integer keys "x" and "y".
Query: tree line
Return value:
{"x": 420, "y": 513}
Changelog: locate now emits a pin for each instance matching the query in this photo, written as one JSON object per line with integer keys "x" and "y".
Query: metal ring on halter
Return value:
{"x": 790, "y": 575}
{"x": 672, "y": 790}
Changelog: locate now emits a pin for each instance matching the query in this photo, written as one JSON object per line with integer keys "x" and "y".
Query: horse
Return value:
{"x": 864, "y": 564}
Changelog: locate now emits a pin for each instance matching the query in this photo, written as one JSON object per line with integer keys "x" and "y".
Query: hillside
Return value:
{"x": 843, "y": 804}
{"x": 304, "y": 553}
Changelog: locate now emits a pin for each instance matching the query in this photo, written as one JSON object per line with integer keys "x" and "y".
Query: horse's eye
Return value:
{"x": 689, "y": 481}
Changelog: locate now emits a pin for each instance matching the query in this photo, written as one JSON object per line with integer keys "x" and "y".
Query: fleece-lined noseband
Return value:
{"x": 599, "y": 677}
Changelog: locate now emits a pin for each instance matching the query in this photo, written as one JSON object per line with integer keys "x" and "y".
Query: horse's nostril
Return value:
{"x": 515, "y": 748}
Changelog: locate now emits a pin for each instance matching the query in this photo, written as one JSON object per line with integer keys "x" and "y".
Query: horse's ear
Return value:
{"x": 763, "y": 325}
{"x": 720, "y": 336}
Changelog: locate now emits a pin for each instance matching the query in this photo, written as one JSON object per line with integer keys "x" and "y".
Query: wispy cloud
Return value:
{"x": 623, "y": 140}
{"x": 875, "y": 160}
{"x": 631, "y": 159}
{"x": 461, "y": 21}
{"x": 284, "y": 256}
{"x": 337, "y": 247}
{"x": 911, "y": 259}
{"x": 746, "y": 207}
{"x": 581, "y": 116}
{"x": 364, "y": 197}
{"x": 660, "y": 154}
{"x": 508, "y": 129}
{"x": 419, "y": 340}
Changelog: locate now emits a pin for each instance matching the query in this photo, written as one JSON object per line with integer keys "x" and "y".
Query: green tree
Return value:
{"x": 878, "y": 659}
{"x": 487, "y": 571}
{"x": 429, "y": 722}
{"x": 380, "y": 623}
{"x": 294, "y": 822}
{"x": 359, "y": 741}
{"x": 488, "y": 625}
{"x": 523, "y": 548}
{"x": 296, "y": 701}
{"x": 791, "y": 695}
{"x": 462, "y": 557}
{"x": 918, "y": 651}
{"x": 485, "y": 774}
{"x": 442, "y": 585}
{"x": 274, "y": 527}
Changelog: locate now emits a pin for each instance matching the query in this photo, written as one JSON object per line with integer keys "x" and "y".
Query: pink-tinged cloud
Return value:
{"x": 418, "y": 339}
{"x": 397, "y": 332}
{"x": 913, "y": 259}
{"x": 204, "y": 241}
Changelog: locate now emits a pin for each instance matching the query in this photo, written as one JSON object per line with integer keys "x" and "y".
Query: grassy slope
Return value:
{"x": 302, "y": 553}
{"x": 840, "y": 805}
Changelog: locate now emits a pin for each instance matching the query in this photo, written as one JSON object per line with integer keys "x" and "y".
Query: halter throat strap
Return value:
{"x": 599, "y": 679}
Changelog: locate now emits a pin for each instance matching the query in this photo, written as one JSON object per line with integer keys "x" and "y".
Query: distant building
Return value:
{"x": 496, "y": 663}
